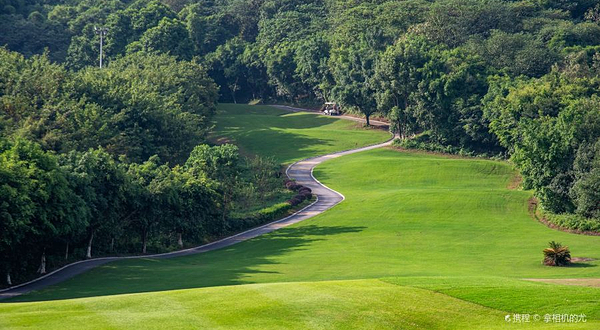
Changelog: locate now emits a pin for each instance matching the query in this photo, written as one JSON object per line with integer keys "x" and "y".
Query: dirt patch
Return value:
{"x": 532, "y": 205}
{"x": 222, "y": 140}
{"x": 362, "y": 125}
{"x": 579, "y": 259}
{"x": 593, "y": 282}
{"x": 515, "y": 182}
{"x": 225, "y": 140}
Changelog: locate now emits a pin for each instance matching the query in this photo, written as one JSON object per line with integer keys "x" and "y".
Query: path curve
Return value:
{"x": 301, "y": 171}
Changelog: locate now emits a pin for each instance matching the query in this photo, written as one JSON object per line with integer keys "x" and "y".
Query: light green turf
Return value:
{"x": 427, "y": 222}
{"x": 287, "y": 136}
{"x": 361, "y": 304}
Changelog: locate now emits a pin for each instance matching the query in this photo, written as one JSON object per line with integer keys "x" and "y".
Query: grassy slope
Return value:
{"x": 286, "y": 136}
{"x": 428, "y": 222}
{"x": 362, "y": 304}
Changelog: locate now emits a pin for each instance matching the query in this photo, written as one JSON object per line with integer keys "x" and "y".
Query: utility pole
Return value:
{"x": 102, "y": 32}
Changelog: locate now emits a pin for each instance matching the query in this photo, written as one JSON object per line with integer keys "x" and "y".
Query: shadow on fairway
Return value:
{"x": 581, "y": 265}
{"x": 230, "y": 266}
{"x": 273, "y": 134}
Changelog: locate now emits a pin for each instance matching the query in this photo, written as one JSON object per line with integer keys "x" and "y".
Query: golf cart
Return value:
{"x": 331, "y": 109}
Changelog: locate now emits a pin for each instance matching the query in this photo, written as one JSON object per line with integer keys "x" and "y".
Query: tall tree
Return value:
{"x": 221, "y": 164}
{"x": 101, "y": 182}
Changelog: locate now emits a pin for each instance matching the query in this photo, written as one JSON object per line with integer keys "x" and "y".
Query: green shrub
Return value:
{"x": 423, "y": 142}
{"x": 259, "y": 217}
{"x": 557, "y": 255}
{"x": 573, "y": 221}
{"x": 417, "y": 144}
{"x": 273, "y": 212}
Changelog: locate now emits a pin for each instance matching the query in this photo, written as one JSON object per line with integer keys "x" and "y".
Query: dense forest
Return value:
{"x": 100, "y": 157}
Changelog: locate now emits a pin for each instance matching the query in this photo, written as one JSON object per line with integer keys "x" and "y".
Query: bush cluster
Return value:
{"x": 265, "y": 215}
{"x": 304, "y": 193}
{"x": 573, "y": 221}
{"x": 423, "y": 142}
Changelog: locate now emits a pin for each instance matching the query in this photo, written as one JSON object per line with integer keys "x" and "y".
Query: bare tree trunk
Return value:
{"x": 233, "y": 88}
{"x": 89, "y": 248}
{"x": 179, "y": 240}
{"x": 8, "y": 280}
{"x": 112, "y": 245}
{"x": 42, "y": 269}
{"x": 367, "y": 117}
{"x": 144, "y": 241}
{"x": 67, "y": 252}
{"x": 223, "y": 216}
{"x": 226, "y": 200}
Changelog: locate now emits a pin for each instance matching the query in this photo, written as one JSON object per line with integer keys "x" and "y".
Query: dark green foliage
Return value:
{"x": 262, "y": 216}
{"x": 451, "y": 22}
{"x": 38, "y": 206}
{"x": 142, "y": 104}
{"x": 551, "y": 126}
{"x": 573, "y": 222}
{"x": 102, "y": 184}
{"x": 585, "y": 191}
{"x": 157, "y": 104}
{"x": 170, "y": 36}
{"x": 424, "y": 142}
{"x": 515, "y": 53}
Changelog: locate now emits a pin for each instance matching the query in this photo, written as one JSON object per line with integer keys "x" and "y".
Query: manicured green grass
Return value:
{"x": 512, "y": 295}
{"x": 421, "y": 223}
{"x": 286, "y": 136}
{"x": 360, "y": 304}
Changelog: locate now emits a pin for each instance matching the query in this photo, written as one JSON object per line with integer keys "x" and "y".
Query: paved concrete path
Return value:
{"x": 300, "y": 171}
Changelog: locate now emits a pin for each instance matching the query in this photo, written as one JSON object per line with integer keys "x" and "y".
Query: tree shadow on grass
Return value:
{"x": 279, "y": 121}
{"x": 270, "y": 135}
{"x": 229, "y": 266}
{"x": 303, "y": 121}
{"x": 265, "y": 116}
{"x": 283, "y": 146}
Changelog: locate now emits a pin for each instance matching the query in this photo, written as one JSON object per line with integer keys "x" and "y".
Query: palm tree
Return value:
{"x": 557, "y": 255}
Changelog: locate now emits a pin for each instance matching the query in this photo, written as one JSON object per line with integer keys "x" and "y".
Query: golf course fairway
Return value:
{"x": 422, "y": 241}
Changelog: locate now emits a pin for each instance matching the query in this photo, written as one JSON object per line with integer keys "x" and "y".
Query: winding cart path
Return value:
{"x": 300, "y": 171}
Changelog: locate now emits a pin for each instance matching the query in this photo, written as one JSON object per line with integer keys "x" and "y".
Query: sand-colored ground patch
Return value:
{"x": 595, "y": 282}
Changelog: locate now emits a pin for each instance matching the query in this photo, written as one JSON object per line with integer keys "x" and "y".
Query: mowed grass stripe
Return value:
{"x": 361, "y": 304}
{"x": 513, "y": 295}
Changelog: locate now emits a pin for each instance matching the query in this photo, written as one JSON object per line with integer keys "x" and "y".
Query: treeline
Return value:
{"x": 551, "y": 128}
{"x": 113, "y": 161}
